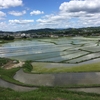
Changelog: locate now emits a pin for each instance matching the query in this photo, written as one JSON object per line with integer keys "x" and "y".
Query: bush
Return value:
{"x": 28, "y": 67}
{"x": 8, "y": 38}
{"x": 3, "y": 61}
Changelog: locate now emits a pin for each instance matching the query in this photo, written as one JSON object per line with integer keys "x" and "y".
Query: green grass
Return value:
{"x": 80, "y": 68}
{"x": 2, "y": 42}
{"x": 5, "y": 41}
{"x": 8, "y": 75}
{"x": 3, "y": 61}
{"x": 45, "y": 93}
{"x": 27, "y": 66}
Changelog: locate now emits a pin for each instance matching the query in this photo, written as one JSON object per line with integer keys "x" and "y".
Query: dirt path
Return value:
{"x": 11, "y": 64}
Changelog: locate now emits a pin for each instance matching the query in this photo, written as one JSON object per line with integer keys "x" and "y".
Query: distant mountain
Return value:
{"x": 38, "y": 30}
{"x": 5, "y": 32}
{"x": 59, "y": 30}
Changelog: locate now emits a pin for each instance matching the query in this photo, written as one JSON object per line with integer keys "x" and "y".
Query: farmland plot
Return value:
{"x": 65, "y": 57}
{"x": 91, "y": 48}
{"x": 85, "y": 58}
{"x": 25, "y": 50}
{"x": 75, "y": 49}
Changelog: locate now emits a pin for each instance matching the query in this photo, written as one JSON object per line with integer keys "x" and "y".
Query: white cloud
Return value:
{"x": 15, "y": 27}
{"x": 17, "y": 13}
{"x": 53, "y": 21}
{"x": 36, "y": 12}
{"x": 89, "y": 6}
{"x": 5, "y": 26}
{"x": 10, "y": 3}
{"x": 20, "y": 21}
{"x": 2, "y": 14}
{"x": 75, "y": 13}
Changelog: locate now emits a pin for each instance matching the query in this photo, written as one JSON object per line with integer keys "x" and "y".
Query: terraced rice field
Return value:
{"x": 66, "y": 50}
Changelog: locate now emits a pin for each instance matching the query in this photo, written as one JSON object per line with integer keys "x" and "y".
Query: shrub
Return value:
{"x": 3, "y": 61}
{"x": 28, "y": 67}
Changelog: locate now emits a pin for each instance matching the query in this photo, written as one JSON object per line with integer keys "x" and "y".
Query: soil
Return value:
{"x": 11, "y": 64}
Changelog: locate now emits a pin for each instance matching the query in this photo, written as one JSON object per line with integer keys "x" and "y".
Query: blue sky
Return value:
{"x": 16, "y": 15}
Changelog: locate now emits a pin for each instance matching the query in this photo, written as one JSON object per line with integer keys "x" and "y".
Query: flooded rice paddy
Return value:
{"x": 66, "y": 50}
{"x": 62, "y": 79}
{"x": 15, "y": 87}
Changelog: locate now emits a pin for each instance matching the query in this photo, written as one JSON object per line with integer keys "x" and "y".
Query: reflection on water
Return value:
{"x": 48, "y": 50}
{"x": 62, "y": 79}
{"x": 15, "y": 87}
{"x": 34, "y": 50}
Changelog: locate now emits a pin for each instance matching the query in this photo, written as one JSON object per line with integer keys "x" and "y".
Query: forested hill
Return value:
{"x": 74, "y": 31}
{"x": 40, "y": 30}
{"x": 69, "y": 31}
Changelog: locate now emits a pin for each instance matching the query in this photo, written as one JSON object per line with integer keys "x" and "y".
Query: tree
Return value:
{"x": 8, "y": 37}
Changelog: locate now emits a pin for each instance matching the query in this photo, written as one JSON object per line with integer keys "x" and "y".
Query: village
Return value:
{"x": 51, "y": 33}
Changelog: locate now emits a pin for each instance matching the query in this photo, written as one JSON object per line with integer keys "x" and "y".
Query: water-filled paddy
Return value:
{"x": 15, "y": 87}
{"x": 62, "y": 79}
{"x": 66, "y": 50}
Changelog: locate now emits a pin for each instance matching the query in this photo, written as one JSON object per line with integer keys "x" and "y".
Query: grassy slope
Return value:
{"x": 3, "y": 61}
{"x": 46, "y": 94}
{"x": 80, "y": 68}
{"x": 8, "y": 75}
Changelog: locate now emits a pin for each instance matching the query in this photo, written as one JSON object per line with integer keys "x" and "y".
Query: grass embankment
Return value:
{"x": 28, "y": 66}
{"x": 5, "y": 41}
{"x": 3, "y": 61}
{"x": 2, "y": 41}
{"x": 45, "y": 93}
{"x": 95, "y": 67}
{"x": 7, "y": 75}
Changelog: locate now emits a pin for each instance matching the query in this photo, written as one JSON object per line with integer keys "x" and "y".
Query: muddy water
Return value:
{"x": 15, "y": 87}
{"x": 62, "y": 79}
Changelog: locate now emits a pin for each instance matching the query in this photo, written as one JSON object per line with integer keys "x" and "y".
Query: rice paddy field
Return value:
{"x": 66, "y": 50}
{"x": 58, "y": 57}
